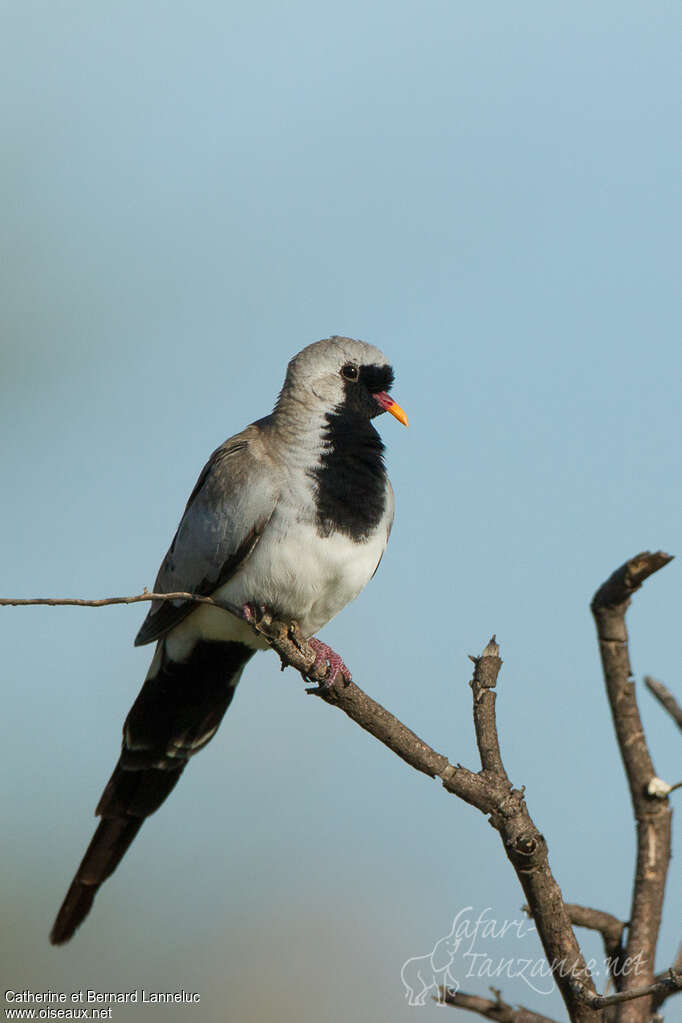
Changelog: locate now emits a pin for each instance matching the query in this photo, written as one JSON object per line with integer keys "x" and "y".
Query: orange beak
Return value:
{"x": 391, "y": 406}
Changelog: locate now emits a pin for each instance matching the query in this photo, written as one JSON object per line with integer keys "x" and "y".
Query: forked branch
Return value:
{"x": 652, "y": 813}
{"x": 494, "y": 1009}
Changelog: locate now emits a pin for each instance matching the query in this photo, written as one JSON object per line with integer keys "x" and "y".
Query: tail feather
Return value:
{"x": 74, "y": 909}
{"x": 137, "y": 792}
{"x": 176, "y": 714}
{"x": 106, "y": 850}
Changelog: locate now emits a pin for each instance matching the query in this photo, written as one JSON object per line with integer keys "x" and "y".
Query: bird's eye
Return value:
{"x": 349, "y": 371}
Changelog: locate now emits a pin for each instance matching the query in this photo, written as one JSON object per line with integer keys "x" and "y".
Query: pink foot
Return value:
{"x": 252, "y": 613}
{"x": 325, "y": 655}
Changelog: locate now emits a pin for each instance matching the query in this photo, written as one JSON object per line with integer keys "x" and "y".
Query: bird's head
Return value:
{"x": 341, "y": 374}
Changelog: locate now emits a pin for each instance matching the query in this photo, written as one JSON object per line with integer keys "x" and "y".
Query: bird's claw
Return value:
{"x": 253, "y": 613}
{"x": 325, "y": 655}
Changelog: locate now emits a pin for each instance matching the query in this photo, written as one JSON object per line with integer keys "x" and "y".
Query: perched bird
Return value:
{"x": 293, "y": 515}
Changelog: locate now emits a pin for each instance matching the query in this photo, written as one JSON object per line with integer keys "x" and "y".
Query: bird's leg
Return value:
{"x": 325, "y": 655}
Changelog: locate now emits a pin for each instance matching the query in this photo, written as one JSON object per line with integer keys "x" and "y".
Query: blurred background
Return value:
{"x": 192, "y": 192}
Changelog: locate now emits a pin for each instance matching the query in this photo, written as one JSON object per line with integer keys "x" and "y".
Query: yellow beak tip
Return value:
{"x": 399, "y": 414}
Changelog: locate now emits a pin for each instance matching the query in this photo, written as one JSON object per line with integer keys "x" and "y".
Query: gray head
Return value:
{"x": 341, "y": 374}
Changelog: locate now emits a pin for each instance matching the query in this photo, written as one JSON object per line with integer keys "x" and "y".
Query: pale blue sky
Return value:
{"x": 191, "y": 194}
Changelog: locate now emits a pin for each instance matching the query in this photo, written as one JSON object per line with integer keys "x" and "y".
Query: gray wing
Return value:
{"x": 225, "y": 516}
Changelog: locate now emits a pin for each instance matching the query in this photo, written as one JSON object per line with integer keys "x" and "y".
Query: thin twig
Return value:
{"x": 496, "y": 1010}
{"x": 670, "y": 984}
{"x": 652, "y": 814}
{"x": 105, "y": 601}
{"x": 665, "y": 698}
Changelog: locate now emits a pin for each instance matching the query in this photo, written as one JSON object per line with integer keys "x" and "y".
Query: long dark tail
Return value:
{"x": 177, "y": 712}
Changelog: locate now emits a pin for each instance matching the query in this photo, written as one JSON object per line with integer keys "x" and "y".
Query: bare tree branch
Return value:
{"x": 496, "y": 1010}
{"x": 489, "y": 790}
{"x": 665, "y": 698}
{"x": 670, "y": 984}
{"x": 662, "y": 995}
{"x": 653, "y": 815}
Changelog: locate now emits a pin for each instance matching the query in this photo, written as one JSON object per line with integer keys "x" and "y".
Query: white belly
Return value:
{"x": 305, "y": 576}
{"x": 298, "y": 574}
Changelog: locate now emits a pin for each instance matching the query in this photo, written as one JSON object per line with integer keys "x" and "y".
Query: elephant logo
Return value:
{"x": 424, "y": 976}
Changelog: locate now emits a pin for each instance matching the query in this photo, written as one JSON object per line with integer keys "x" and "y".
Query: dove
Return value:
{"x": 291, "y": 515}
